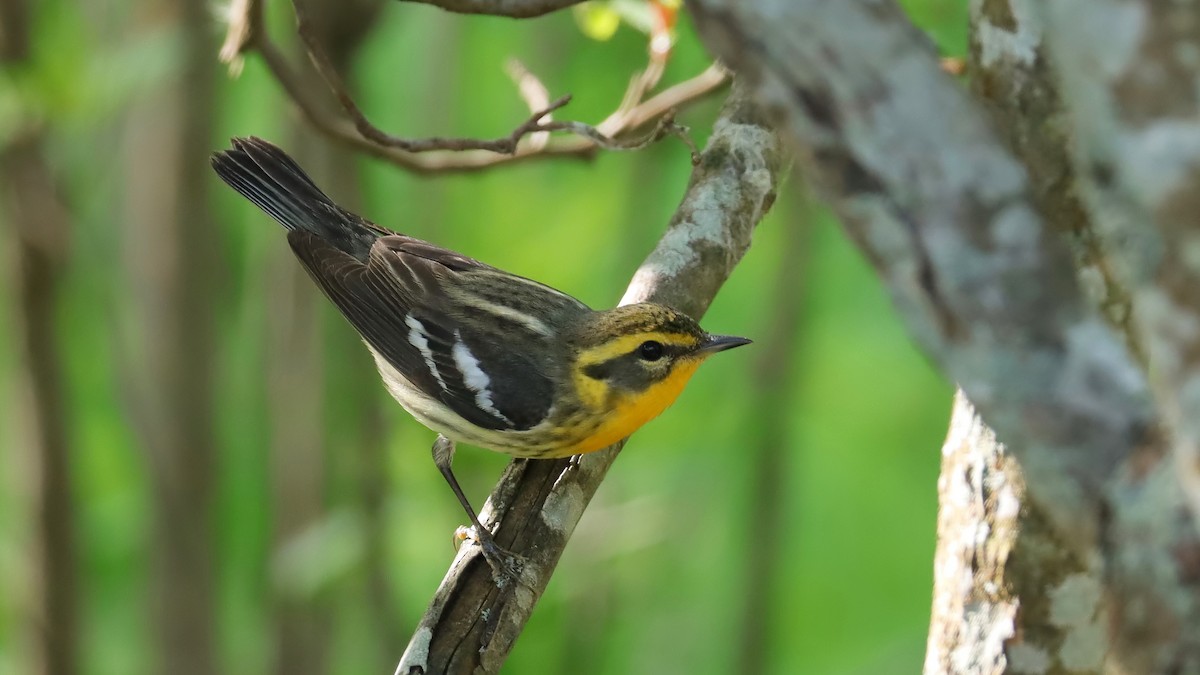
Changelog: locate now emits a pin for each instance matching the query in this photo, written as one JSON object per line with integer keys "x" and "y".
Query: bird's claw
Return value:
{"x": 506, "y": 566}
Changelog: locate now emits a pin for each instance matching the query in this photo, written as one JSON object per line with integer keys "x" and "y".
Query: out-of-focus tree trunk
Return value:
{"x": 297, "y": 460}
{"x": 39, "y": 227}
{"x": 170, "y": 244}
{"x": 775, "y": 373}
{"x": 297, "y": 382}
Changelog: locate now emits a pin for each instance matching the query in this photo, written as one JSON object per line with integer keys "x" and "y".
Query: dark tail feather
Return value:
{"x": 273, "y": 181}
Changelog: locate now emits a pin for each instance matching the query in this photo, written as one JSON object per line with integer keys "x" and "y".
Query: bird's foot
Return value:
{"x": 506, "y": 566}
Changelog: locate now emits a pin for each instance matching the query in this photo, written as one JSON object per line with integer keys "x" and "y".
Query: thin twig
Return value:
{"x": 642, "y": 82}
{"x": 666, "y": 127}
{"x": 674, "y": 97}
{"x": 529, "y": 85}
{"x": 247, "y": 33}
{"x": 506, "y": 145}
{"x": 536, "y": 96}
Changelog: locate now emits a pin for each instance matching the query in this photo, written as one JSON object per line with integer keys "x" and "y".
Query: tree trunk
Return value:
{"x": 772, "y": 402}
{"x": 40, "y": 228}
{"x": 170, "y": 257}
{"x": 296, "y": 366}
{"x": 1065, "y": 543}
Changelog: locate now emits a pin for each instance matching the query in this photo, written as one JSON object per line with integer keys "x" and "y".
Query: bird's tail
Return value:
{"x": 273, "y": 181}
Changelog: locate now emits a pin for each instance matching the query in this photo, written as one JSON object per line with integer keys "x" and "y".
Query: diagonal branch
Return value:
{"x": 946, "y": 216}
{"x": 471, "y": 625}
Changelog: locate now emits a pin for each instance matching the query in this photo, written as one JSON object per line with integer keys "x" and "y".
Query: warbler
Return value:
{"x": 477, "y": 354}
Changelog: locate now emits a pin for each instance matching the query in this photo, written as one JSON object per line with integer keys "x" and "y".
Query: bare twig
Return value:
{"x": 641, "y": 83}
{"x": 245, "y": 24}
{"x": 247, "y": 33}
{"x": 470, "y": 625}
{"x": 506, "y": 145}
{"x": 674, "y": 97}
{"x": 666, "y": 127}
{"x": 536, "y": 96}
{"x": 532, "y": 89}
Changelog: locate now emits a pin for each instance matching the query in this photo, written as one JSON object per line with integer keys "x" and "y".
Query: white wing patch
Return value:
{"x": 474, "y": 377}
{"x": 417, "y": 338}
{"x": 531, "y": 322}
{"x": 473, "y": 301}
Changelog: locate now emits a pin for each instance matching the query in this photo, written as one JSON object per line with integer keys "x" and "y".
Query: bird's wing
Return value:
{"x": 402, "y": 303}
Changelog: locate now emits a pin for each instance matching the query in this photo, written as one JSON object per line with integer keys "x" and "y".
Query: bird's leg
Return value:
{"x": 506, "y": 566}
{"x": 575, "y": 461}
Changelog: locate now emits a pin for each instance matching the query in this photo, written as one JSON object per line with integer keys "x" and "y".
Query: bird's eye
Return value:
{"x": 650, "y": 350}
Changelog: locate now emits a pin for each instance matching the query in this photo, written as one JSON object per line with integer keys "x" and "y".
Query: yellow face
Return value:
{"x": 629, "y": 364}
{"x": 630, "y": 410}
{"x": 636, "y": 368}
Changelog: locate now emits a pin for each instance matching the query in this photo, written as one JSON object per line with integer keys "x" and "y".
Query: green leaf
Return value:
{"x": 597, "y": 20}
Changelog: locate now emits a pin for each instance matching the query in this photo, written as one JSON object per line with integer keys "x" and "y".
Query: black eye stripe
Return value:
{"x": 598, "y": 371}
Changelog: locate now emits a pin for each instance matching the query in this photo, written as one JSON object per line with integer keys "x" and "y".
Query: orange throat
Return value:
{"x": 631, "y": 411}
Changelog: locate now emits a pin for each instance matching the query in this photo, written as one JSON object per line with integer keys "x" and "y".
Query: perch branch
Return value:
{"x": 471, "y": 625}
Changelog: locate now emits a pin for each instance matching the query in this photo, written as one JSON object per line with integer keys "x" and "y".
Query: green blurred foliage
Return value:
{"x": 652, "y": 582}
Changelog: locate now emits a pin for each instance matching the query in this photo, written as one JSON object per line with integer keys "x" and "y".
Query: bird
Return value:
{"x": 476, "y": 354}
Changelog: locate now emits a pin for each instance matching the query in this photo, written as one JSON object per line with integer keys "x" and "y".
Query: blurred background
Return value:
{"x": 200, "y": 472}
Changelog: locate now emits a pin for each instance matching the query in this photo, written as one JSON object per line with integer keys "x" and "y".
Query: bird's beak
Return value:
{"x": 719, "y": 343}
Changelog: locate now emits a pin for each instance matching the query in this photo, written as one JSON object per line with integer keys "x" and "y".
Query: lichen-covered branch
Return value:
{"x": 946, "y": 215}
{"x": 471, "y": 624}
{"x": 1011, "y": 75}
{"x": 1066, "y": 548}
{"x": 1129, "y": 71}
{"x": 998, "y": 565}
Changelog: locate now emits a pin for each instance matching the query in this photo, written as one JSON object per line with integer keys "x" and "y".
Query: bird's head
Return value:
{"x": 641, "y": 351}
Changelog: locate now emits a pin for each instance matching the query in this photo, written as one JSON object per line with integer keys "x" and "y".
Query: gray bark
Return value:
{"x": 1064, "y": 540}
{"x": 1128, "y": 71}
{"x": 945, "y": 214}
